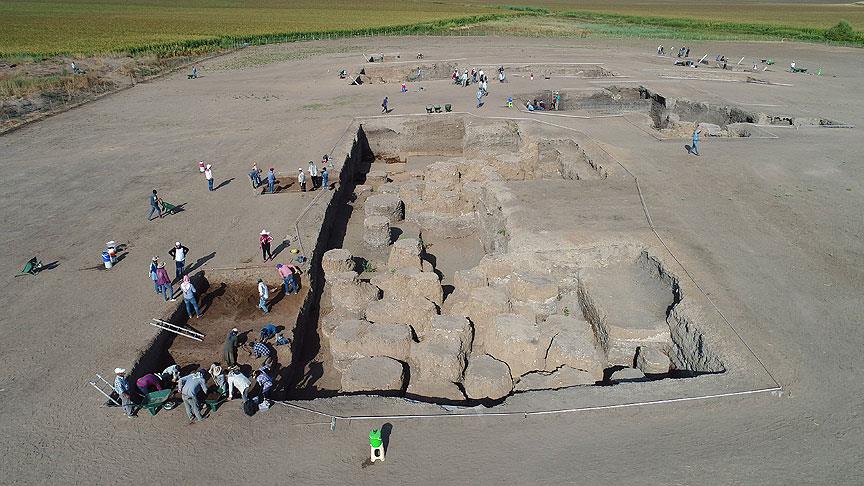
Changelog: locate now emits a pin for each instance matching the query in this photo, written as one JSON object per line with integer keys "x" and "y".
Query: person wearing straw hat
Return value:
{"x": 265, "y": 241}
{"x": 124, "y": 391}
{"x": 218, "y": 378}
{"x": 154, "y": 266}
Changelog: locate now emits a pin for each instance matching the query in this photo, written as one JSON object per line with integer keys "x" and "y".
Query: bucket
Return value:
{"x": 106, "y": 259}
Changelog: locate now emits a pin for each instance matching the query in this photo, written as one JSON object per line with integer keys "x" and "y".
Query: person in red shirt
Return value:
{"x": 266, "y": 239}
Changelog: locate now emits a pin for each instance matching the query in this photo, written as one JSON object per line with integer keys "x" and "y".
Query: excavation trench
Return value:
{"x": 413, "y": 288}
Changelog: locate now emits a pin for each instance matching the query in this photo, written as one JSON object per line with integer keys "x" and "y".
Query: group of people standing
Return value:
{"x": 317, "y": 179}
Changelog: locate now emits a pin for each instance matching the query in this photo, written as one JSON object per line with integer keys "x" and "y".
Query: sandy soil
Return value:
{"x": 770, "y": 228}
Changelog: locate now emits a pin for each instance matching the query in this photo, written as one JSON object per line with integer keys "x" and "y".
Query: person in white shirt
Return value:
{"x": 238, "y": 380}
{"x": 179, "y": 253}
{"x": 301, "y": 179}
{"x": 313, "y": 174}
{"x": 208, "y": 174}
{"x": 263, "y": 295}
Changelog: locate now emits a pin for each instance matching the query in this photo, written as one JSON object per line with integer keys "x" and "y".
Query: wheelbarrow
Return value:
{"x": 32, "y": 267}
{"x": 153, "y": 401}
{"x": 215, "y": 403}
{"x": 169, "y": 208}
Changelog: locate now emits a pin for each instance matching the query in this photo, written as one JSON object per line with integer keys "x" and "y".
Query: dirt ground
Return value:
{"x": 770, "y": 228}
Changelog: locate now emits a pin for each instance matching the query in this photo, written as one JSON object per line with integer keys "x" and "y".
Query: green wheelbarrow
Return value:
{"x": 215, "y": 403}
{"x": 153, "y": 401}
{"x": 169, "y": 208}
{"x": 32, "y": 267}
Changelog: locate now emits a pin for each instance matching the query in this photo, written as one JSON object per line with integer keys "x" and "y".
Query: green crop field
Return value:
{"x": 188, "y": 26}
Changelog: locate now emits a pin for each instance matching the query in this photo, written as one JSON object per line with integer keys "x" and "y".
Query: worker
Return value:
{"x": 313, "y": 174}
{"x": 262, "y": 377}
{"x": 265, "y": 241}
{"x": 288, "y": 272}
{"x": 694, "y": 148}
{"x": 301, "y": 179}
{"x": 215, "y": 372}
{"x": 208, "y": 174}
{"x": 259, "y": 350}
{"x": 148, "y": 383}
{"x": 263, "y": 295}
{"x": 236, "y": 379}
{"x": 229, "y": 350}
{"x": 268, "y": 332}
{"x": 155, "y": 206}
{"x": 178, "y": 253}
{"x": 271, "y": 180}
{"x": 255, "y": 176}
{"x": 170, "y": 374}
{"x": 190, "y": 298}
{"x": 164, "y": 282}
{"x": 154, "y": 265}
{"x": 121, "y": 387}
{"x": 325, "y": 178}
{"x": 189, "y": 387}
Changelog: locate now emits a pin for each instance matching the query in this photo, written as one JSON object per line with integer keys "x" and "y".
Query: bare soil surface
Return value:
{"x": 771, "y": 230}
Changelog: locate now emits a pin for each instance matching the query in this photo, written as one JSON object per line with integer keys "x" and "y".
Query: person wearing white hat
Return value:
{"x": 301, "y": 179}
{"x": 178, "y": 253}
{"x": 218, "y": 378}
{"x": 229, "y": 349}
{"x": 266, "y": 239}
{"x": 123, "y": 390}
{"x": 208, "y": 174}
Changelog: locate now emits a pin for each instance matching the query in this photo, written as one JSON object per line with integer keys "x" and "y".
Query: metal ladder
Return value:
{"x": 101, "y": 385}
{"x": 177, "y": 329}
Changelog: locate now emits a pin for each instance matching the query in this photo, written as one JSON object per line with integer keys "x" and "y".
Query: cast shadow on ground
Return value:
{"x": 223, "y": 184}
{"x": 386, "y": 430}
{"x": 281, "y": 247}
{"x": 200, "y": 262}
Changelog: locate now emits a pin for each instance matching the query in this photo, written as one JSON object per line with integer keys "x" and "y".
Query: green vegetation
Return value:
{"x": 639, "y": 26}
{"x": 166, "y": 28}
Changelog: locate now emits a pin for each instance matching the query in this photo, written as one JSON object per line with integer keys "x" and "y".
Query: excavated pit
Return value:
{"x": 414, "y": 291}
{"x": 228, "y": 299}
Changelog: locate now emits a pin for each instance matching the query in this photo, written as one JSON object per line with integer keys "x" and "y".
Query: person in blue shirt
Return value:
{"x": 694, "y": 148}
{"x": 190, "y": 386}
{"x": 154, "y": 206}
{"x": 325, "y": 179}
{"x": 271, "y": 180}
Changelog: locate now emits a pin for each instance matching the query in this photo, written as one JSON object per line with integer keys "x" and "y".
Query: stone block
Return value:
{"x": 711, "y": 130}
{"x": 563, "y": 377}
{"x": 355, "y": 338}
{"x": 407, "y": 283}
{"x": 651, "y": 360}
{"x": 405, "y": 253}
{"x": 416, "y": 312}
{"x": 437, "y": 359}
{"x": 431, "y": 388}
{"x": 361, "y": 192}
{"x": 625, "y": 375}
{"x": 518, "y": 342}
{"x": 573, "y": 345}
{"x": 388, "y": 205}
{"x": 487, "y": 378}
{"x": 469, "y": 279}
{"x": 337, "y": 260}
{"x": 376, "y": 177}
{"x": 376, "y": 231}
{"x": 352, "y": 295}
{"x": 455, "y": 328}
{"x": 373, "y": 374}
{"x": 532, "y": 288}
{"x": 480, "y": 305}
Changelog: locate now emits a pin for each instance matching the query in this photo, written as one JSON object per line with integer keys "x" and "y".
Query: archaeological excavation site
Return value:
{"x": 465, "y": 260}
